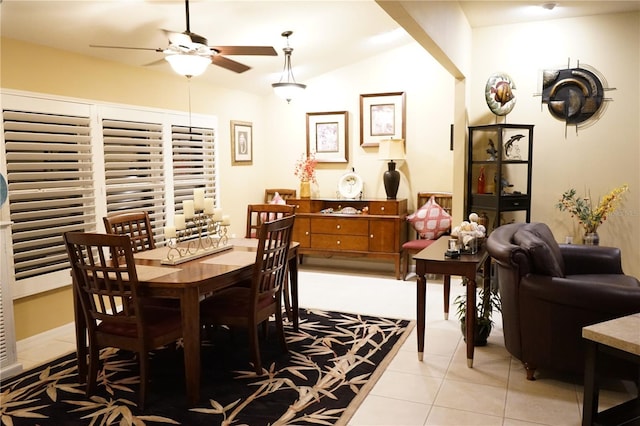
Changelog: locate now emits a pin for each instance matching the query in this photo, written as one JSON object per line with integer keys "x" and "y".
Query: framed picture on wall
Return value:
{"x": 328, "y": 136}
{"x": 382, "y": 116}
{"x": 241, "y": 143}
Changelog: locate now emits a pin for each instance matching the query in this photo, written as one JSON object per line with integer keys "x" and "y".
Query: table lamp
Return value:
{"x": 391, "y": 149}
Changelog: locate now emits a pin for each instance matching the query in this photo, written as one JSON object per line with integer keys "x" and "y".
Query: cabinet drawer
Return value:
{"x": 302, "y": 206}
{"x": 514, "y": 202}
{"x": 340, "y": 242}
{"x": 340, "y": 226}
{"x": 383, "y": 208}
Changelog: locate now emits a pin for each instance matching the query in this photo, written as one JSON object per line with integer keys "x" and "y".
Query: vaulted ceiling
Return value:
{"x": 326, "y": 34}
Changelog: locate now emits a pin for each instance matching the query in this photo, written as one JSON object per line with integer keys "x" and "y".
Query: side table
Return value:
{"x": 432, "y": 260}
{"x": 619, "y": 337}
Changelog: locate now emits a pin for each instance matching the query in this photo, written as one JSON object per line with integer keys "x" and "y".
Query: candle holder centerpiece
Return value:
{"x": 200, "y": 231}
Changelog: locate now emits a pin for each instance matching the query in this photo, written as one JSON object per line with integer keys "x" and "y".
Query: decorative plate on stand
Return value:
{"x": 350, "y": 186}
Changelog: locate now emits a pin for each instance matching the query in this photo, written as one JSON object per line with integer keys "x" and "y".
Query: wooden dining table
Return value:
{"x": 190, "y": 282}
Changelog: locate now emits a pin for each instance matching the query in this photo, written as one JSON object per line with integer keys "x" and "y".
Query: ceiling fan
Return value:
{"x": 193, "y": 49}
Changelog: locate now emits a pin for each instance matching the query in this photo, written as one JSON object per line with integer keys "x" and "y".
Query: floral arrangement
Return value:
{"x": 305, "y": 169}
{"x": 582, "y": 208}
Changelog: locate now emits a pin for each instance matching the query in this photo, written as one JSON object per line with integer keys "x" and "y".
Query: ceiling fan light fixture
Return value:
{"x": 287, "y": 88}
{"x": 188, "y": 65}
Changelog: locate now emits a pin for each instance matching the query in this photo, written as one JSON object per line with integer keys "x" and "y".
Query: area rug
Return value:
{"x": 333, "y": 362}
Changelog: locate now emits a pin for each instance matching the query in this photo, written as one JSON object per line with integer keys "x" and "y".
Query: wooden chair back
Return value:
{"x": 257, "y": 214}
{"x": 136, "y": 225}
{"x": 270, "y": 269}
{"x": 105, "y": 281}
{"x": 284, "y": 193}
{"x": 444, "y": 200}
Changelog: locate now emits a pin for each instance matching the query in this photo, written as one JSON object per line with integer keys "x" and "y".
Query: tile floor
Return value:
{"x": 441, "y": 390}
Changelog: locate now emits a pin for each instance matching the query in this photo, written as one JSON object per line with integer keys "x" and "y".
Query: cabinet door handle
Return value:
{"x": 338, "y": 242}
{"x": 337, "y": 226}
{"x": 371, "y": 236}
{"x": 306, "y": 233}
{"x": 382, "y": 208}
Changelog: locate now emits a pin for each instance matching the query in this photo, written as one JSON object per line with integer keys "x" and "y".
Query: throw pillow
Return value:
{"x": 277, "y": 199}
{"x": 430, "y": 221}
{"x": 543, "y": 257}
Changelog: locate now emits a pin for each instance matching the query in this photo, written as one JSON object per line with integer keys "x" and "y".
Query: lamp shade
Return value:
{"x": 288, "y": 91}
{"x": 391, "y": 149}
{"x": 188, "y": 64}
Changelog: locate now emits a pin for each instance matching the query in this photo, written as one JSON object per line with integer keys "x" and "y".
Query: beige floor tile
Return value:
{"x": 432, "y": 365}
{"x": 380, "y": 411}
{"x": 490, "y": 367}
{"x": 472, "y": 397}
{"x": 441, "y": 416}
{"x": 407, "y": 387}
{"x": 556, "y": 407}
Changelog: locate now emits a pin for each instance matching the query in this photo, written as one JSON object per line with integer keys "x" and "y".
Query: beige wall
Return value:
{"x": 597, "y": 158}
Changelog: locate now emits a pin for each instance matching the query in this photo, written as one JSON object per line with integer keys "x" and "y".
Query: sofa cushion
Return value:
{"x": 544, "y": 251}
{"x": 430, "y": 221}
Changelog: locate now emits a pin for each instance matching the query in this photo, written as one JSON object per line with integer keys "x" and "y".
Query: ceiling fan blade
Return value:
{"x": 229, "y": 64}
{"x": 158, "y": 62}
{"x": 127, "y": 47}
{"x": 246, "y": 50}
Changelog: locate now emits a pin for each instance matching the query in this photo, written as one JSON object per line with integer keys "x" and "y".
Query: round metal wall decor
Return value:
{"x": 574, "y": 95}
{"x": 499, "y": 93}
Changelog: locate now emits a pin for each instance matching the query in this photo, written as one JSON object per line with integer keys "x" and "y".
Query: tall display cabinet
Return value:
{"x": 499, "y": 173}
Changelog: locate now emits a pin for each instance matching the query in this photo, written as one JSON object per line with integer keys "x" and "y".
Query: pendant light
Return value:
{"x": 287, "y": 89}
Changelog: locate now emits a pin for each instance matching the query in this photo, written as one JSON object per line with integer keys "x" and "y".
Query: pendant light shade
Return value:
{"x": 287, "y": 88}
{"x": 189, "y": 65}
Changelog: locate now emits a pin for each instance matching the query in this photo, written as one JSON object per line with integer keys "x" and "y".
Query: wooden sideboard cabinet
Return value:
{"x": 377, "y": 234}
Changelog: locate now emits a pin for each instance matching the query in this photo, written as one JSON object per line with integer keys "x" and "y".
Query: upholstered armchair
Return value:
{"x": 550, "y": 291}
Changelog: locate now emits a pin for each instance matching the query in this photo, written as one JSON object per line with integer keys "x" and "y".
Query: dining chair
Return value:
{"x": 285, "y": 194}
{"x": 444, "y": 201}
{"x": 257, "y": 214}
{"x": 136, "y": 225}
{"x": 106, "y": 285}
{"x": 250, "y": 305}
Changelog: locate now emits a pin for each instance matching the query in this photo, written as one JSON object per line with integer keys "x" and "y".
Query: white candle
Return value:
{"x": 180, "y": 222}
{"x": 198, "y": 198}
{"x": 208, "y": 206}
{"x": 226, "y": 220}
{"x": 169, "y": 231}
{"x": 188, "y": 208}
{"x": 217, "y": 214}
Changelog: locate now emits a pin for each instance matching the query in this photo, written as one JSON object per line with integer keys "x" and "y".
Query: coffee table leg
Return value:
{"x": 470, "y": 320}
{"x": 421, "y": 306}
{"x": 591, "y": 394}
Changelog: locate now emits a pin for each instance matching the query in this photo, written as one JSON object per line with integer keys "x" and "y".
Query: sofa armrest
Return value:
{"x": 582, "y": 259}
{"x": 585, "y": 295}
{"x": 501, "y": 249}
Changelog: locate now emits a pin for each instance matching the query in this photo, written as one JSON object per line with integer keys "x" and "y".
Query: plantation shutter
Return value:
{"x": 193, "y": 162}
{"x": 50, "y": 182}
{"x": 133, "y": 169}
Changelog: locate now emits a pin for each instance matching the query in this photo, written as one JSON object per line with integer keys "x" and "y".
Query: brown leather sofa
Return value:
{"x": 550, "y": 291}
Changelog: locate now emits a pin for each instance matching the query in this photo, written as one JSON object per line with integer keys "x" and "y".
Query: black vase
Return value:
{"x": 391, "y": 179}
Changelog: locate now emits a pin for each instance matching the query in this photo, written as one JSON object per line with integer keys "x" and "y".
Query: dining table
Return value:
{"x": 190, "y": 282}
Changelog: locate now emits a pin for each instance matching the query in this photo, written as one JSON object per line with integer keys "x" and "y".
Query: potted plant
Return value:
{"x": 486, "y": 302}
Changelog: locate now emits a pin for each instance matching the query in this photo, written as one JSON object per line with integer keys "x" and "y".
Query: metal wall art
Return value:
{"x": 574, "y": 95}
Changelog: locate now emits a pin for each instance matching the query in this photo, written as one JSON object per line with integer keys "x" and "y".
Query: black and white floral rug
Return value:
{"x": 333, "y": 362}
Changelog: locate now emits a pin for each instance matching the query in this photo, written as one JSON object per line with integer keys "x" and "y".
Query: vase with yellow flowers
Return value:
{"x": 591, "y": 218}
{"x": 305, "y": 170}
